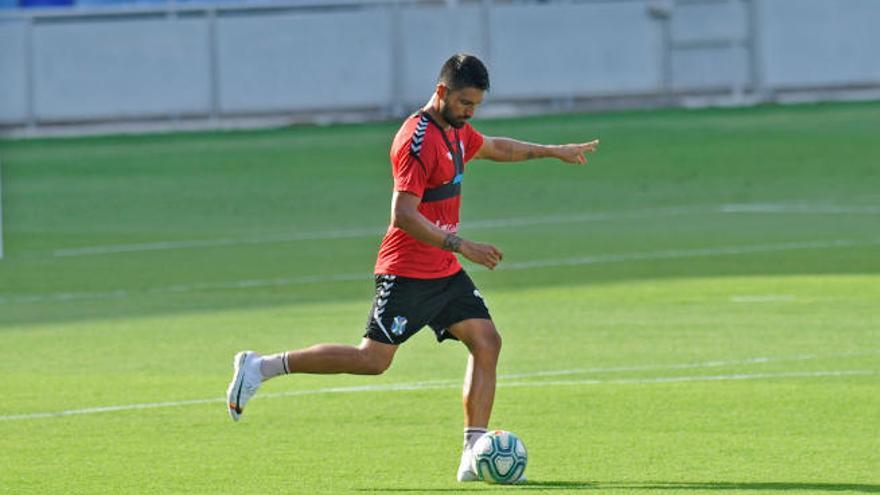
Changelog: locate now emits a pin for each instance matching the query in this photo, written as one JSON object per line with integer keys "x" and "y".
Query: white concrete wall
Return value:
{"x": 565, "y": 50}
{"x": 696, "y": 67}
{"x": 820, "y": 42}
{"x": 310, "y": 61}
{"x": 536, "y": 51}
{"x": 120, "y": 68}
{"x": 384, "y": 57}
{"x": 13, "y": 78}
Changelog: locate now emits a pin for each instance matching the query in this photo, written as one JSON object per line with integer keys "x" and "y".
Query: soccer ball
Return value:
{"x": 500, "y": 457}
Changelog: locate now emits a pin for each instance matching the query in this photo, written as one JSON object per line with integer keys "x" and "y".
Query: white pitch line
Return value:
{"x": 203, "y": 243}
{"x": 376, "y": 231}
{"x": 701, "y": 378}
{"x": 444, "y": 384}
{"x": 686, "y": 253}
{"x": 705, "y": 364}
{"x": 794, "y": 207}
{"x": 523, "y": 265}
{"x": 770, "y": 298}
{"x": 800, "y": 208}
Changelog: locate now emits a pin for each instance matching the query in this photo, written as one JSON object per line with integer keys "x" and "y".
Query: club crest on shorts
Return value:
{"x": 480, "y": 296}
{"x": 398, "y": 326}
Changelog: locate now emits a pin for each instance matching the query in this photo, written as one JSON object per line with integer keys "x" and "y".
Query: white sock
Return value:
{"x": 274, "y": 365}
{"x": 471, "y": 435}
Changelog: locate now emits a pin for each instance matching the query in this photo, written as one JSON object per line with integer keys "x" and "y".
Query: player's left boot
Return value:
{"x": 246, "y": 379}
{"x": 466, "y": 467}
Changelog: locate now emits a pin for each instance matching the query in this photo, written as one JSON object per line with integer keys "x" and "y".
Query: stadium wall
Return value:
{"x": 215, "y": 64}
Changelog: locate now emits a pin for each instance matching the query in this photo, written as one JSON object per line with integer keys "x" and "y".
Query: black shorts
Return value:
{"x": 403, "y": 306}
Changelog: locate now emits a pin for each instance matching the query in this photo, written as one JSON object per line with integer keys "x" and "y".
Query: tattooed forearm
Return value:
{"x": 511, "y": 150}
{"x": 452, "y": 243}
{"x": 506, "y": 152}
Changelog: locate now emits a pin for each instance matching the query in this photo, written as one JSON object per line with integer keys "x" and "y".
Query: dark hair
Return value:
{"x": 463, "y": 70}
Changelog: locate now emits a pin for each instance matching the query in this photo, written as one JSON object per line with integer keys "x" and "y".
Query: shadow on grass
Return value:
{"x": 656, "y": 485}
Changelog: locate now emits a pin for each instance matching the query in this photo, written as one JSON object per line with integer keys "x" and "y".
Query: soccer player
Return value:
{"x": 419, "y": 280}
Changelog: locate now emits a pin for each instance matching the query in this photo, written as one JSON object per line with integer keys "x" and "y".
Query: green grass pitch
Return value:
{"x": 696, "y": 311}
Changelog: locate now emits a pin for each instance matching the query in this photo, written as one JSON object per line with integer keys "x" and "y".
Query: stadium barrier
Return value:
{"x": 309, "y": 60}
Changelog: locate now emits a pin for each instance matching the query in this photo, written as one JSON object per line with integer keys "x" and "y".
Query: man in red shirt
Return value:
{"x": 419, "y": 280}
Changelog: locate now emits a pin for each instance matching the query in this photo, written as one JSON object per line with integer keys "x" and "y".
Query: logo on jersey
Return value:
{"x": 398, "y": 326}
{"x": 448, "y": 227}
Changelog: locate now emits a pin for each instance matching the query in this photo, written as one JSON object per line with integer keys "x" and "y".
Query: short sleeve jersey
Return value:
{"x": 422, "y": 164}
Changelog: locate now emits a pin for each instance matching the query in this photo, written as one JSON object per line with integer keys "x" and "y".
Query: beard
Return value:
{"x": 452, "y": 120}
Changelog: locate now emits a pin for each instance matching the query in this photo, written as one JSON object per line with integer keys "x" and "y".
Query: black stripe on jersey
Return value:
{"x": 419, "y": 136}
{"x": 439, "y": 193}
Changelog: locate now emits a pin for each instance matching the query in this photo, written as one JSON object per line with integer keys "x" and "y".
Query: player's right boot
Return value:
{"x": 466, "y": 467}
{"x": 246, "y": 379}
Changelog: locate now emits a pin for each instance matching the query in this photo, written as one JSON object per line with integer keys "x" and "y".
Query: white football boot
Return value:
{"x": 246, "y": 379}
{"x": 466, "y": 467}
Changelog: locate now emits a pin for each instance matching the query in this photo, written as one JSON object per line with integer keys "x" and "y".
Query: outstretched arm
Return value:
{"x": 501, "y": 149}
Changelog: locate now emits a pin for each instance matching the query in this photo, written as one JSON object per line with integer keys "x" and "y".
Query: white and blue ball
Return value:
{"x": 500, "y": 457}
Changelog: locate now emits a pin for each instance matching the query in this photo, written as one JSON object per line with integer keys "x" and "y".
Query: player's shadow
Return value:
{"x": 707, "y": 485}
{"x": 655, "y": 485}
